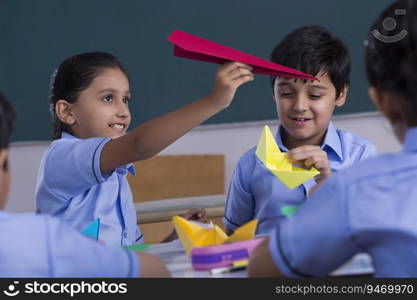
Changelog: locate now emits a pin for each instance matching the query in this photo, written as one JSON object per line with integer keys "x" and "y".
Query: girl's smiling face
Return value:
{"x": 102, "y": 109}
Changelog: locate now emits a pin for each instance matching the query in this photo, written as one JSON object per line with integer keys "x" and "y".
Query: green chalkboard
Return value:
{"x": 35, "y": 36}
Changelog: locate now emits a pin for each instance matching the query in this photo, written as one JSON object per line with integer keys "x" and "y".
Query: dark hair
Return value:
{"x": 73, "y": 76}
{"x": 7, "y": 118}
{"x": 391, "y": 65}
{"x": 312, "y": 49}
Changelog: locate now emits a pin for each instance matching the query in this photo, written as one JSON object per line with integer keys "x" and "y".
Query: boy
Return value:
{"x": 57, "y": 250}
{"x": 306, "y": 132}
{"x": 370, "y": 206}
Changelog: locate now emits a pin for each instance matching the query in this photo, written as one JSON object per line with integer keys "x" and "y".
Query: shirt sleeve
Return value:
{"x": 369, "y": 151}
{"x": 74, "y": 255}
{"x": 315, "y": 240}
{"x": 73, "y": 165}
{"x": 240, "y": 202}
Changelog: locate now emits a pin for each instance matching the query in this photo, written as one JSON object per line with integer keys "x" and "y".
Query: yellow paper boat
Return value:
{"x": 193, "y": 235}
{"x": 279, "y": 164}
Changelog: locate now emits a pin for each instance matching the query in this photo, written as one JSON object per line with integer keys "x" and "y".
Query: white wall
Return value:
{"x": 232, "y": 140}
{"x": 24, "y": 163}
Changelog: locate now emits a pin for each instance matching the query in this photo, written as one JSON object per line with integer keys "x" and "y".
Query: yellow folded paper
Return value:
{"x": 279, "y": 164}
{"x": 193, "y": 235}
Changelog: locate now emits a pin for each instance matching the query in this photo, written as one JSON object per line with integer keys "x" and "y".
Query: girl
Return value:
{"x": 83, "y": 172}
{"x": 371, "y": 206}
{"x": 51, "y": 242}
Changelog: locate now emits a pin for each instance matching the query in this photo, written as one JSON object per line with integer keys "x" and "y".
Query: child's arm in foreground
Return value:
{"x": 151, "y": 266}
{"x": 150, "y": 138}
{"x": 261, "y": 263}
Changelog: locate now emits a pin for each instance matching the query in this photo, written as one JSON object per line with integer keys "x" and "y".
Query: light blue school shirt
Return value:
{"x": 42, "y": 246}
{"x": 72, "y": 188}
{"x": 255, "y": 193}
{"x": 370, "y": 207}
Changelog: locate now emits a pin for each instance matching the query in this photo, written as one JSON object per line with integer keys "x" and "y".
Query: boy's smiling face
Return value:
{"x": 305, "y": 108}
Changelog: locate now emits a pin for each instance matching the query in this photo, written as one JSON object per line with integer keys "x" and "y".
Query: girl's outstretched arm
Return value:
{"x": 150, "y": 138}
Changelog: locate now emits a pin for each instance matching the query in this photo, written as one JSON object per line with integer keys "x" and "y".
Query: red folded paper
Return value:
{"x": 194, "y": 47}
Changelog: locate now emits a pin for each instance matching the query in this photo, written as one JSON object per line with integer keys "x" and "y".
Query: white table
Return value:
{"x": 179, "y": 264}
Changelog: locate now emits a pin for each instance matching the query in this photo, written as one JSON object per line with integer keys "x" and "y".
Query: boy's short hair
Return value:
{"x": 7, "y": 118}
{"x": 312, "y": 49}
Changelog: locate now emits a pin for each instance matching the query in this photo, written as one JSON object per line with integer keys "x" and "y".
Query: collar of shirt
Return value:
{"x": 124, "y": 169}
{"x": 331, "y": 141}
{"x": 410, "y": 141}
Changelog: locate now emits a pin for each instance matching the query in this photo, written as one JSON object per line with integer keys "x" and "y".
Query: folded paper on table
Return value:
{"x": 93, "y": 229}
{"x": 205, "y": 258}
{"x": 279, "y": 164}
{"x": 194, "y": 235}
{"x": 289, "y": 210}
{"x": 194, "y": 47}
{"x": 137, "y": 247}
